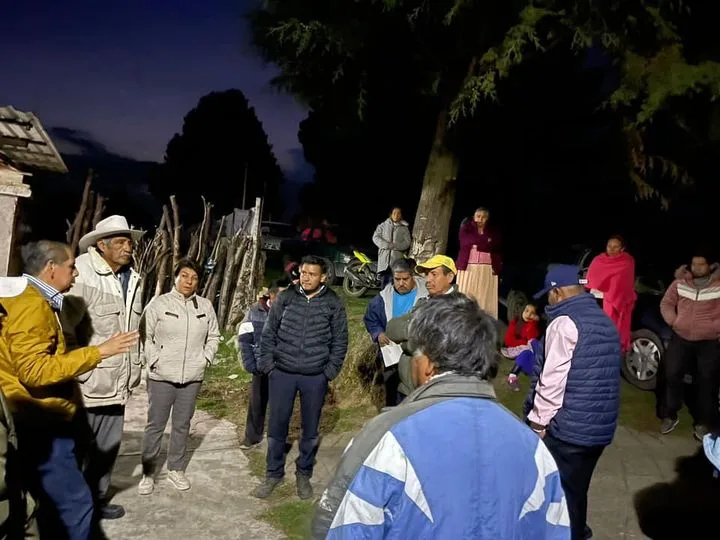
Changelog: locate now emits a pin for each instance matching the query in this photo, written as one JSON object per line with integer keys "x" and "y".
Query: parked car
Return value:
{"x": 650, "y": 333}
{"x": 337, "y": 256}
{"x": 273, "y": 234}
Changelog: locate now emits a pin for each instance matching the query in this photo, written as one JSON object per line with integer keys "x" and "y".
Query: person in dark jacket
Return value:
{"x": 250, "y": 339}
{"x": 395, "y": 300}
{"x": 304, "y": 342}
{"x": 17, "y": 507}
{"x": 449, "y": 462}
{"x": 574, "y": 399}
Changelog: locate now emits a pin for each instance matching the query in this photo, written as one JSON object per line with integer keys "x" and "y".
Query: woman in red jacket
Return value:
{"x": 521, "y": 331}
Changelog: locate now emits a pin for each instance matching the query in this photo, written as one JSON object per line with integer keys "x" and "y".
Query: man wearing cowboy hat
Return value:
{"x": 106, "y": 299}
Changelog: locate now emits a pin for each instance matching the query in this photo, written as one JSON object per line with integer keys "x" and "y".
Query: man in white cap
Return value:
{"x": 106, "y": 299}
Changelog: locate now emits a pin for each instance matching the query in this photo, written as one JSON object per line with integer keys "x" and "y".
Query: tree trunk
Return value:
{"x": 176, "y": 226}
{"x": 211, "y": 288}
{"x": 432, "y": 220}
{"x": 75, "y": 230}
{"x": 236, "y": 252}
{"x": 162, "y": 271}
{"x": 99, "y": 210}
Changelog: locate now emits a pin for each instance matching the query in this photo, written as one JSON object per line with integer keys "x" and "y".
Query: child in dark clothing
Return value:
{"x": 521, "y": 331}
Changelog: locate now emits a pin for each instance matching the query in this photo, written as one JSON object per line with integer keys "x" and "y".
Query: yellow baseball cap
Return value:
{"x": 263, "y": 293}
{"x": 436, "y": 261}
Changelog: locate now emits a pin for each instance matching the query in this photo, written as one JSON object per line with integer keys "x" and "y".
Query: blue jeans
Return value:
{"x": 50, "y": 466}
{"x": 282, "y": 390}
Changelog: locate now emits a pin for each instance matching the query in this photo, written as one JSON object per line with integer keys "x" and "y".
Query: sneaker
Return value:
{"x": 513, "y": 382}
{"x": 248, "y": 445}
{"x": 699, "y": 432}
{"x": 304, "y": 487}
{"x": 146, "y": 485}
{"x": 111, "y": 511}
{"x": 264, "y": 490}
{"x": 668, "y": 425}
{"x": 179, "y": 480}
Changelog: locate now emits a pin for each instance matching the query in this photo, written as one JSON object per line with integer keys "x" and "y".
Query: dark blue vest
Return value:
{"x": 588, "y": 416}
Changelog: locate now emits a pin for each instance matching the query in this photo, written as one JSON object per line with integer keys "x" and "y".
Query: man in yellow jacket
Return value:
{"x": 37, "y": 377}
{"x": 17, "y": 508}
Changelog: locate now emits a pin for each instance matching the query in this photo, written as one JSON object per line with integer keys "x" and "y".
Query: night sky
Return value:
{"x": 126, "y": 73}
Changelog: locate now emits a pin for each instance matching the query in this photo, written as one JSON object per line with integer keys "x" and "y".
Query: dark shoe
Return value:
{"x": 111, "y": 511}
{"x": 304, "y": 487}
{"x": 264, "y": 490}
{"x": 588, "y": 534}
{"x": 699, "y": 432}
{"x": 668, "y": 425}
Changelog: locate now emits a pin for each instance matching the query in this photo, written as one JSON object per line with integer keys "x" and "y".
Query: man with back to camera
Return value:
{"x": 304, "y": 343}
{"x": 574, "y": 397}
{"x": 449, "y": 462}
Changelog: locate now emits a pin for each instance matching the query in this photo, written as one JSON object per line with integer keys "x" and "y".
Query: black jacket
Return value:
{"x": 305, "y": 335}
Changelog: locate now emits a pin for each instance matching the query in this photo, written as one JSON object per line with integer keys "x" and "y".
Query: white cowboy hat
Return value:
{"x": 108, "y": 227}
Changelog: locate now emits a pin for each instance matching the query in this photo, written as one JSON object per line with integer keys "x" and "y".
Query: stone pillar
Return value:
{"x": 11, "y": 188}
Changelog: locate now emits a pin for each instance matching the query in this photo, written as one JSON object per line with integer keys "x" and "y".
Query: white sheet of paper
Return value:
{"x": 391, "y": 354}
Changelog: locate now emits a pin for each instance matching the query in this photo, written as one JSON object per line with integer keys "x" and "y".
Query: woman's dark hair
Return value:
{"x": 619, "y": 239}
{"x": 187, "y": 263}
{"x": 456, "y": 335}
{"x": 519, "y": 323}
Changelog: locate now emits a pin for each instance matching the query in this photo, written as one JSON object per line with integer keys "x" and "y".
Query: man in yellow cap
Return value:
{"x": 439, "y": 272}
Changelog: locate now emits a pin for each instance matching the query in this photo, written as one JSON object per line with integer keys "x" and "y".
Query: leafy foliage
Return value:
{"x": 647, "y": 45}
{"x": 221, "y": 139}
{"x": 456, "y": 53}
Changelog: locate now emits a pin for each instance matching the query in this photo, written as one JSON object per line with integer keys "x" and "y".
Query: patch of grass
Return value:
{"x": 637, "y": 407}
{"x": 225, "y": 388}
{"x": 353, "y": 398}
{"x": 291, "y": 517}
{"x": 358, "y": 381}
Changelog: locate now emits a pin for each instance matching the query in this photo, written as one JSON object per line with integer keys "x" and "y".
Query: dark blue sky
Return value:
{"x": 127, "y": 72}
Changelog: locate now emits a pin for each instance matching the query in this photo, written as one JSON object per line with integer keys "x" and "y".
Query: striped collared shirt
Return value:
{"x": 54, "y": 298}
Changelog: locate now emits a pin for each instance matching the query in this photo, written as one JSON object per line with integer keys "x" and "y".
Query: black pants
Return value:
{"x": 257, "y": 406}
{"x": 283, "y": 389}
{"x": 576, "y": 465}
{"x": 391, "y": 381}
{"x": 701, "y": 358}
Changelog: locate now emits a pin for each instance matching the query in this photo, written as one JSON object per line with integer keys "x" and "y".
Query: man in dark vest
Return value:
{"x": 575, "y": 392}
{"x": 250, "y": 339}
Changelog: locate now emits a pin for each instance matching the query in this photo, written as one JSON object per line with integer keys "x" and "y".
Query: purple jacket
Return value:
{"x": 488, "y": 242}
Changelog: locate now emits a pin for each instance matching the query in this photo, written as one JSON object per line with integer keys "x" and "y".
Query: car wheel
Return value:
{"x": 640, "y": 365}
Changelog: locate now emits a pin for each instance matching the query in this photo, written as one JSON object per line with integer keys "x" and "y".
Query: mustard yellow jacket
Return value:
{"x": 35, "y": 368}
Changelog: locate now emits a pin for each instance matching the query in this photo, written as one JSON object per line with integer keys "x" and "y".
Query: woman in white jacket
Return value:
{"x": 181, "y": 338}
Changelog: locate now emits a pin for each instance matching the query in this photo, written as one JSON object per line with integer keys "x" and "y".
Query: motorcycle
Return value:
{"x": 360, "y": 275}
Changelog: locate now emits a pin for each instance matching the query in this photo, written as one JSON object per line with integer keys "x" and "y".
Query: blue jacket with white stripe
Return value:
{"x": 447, "y": 463}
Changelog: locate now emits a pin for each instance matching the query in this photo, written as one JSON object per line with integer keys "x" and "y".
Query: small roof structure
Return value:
{"x": 25, "y": 142}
